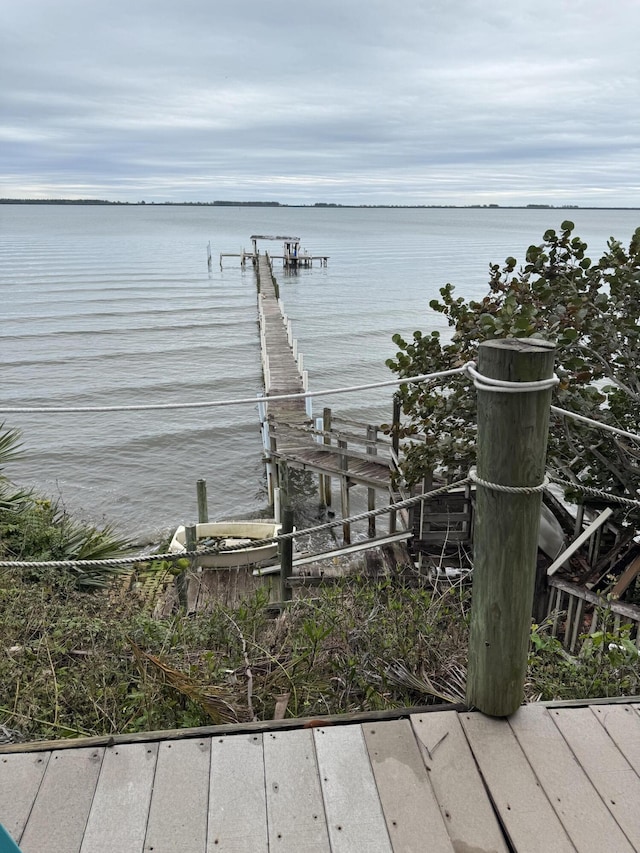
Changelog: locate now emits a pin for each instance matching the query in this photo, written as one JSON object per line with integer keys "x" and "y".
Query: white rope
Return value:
{"x": 483, "y": 383}
{"x": 116, "y": 562}
{"x": 511, "y": 490}
{"x": 150, "y": 407}
{"x": 599, "y": 493}
{"x": 486, "y": 383}
{"x": 598, "y": 424}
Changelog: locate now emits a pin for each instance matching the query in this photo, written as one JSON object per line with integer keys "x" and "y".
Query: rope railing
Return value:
{"x": 596, "y": 424}
{"x": 240, "y": 401}
{"x": 116, "y": 562}
{"x": 481, "y": 382}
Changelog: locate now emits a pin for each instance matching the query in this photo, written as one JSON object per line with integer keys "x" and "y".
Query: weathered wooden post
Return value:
{"x": 182, "y": 581}
{"x": 372, "y": 450}
{"x": 326, "y": 430}
{"x": 395, "y": 456}
{"x": 512, "y": 446}
{"x": 344, "y": 491}
{"x": 203, "y": 509}
{"x": 283, "y": 483}
{"x": 286, "y": 555}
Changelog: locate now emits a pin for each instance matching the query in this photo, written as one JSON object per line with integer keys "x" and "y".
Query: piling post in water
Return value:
{"x": 512, "y": 446}
{"x": 286, "y": 555}
{"x": 326, "y": 439}
{"x": 203, "y": 509}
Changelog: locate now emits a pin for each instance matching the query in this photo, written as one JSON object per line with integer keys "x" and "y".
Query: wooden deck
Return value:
{"x": 549, "y": 779}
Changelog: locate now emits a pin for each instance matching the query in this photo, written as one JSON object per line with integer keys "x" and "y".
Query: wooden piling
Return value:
{"x": 326, "y": 430}
{"x": 286, "y": 555}
{"x": 395, "y": 453}
{"x": 182, "y": 581}
{"x": 344, "y": 491}
{"x": 203, "y": 509}
{"x": 512, "y": 443}
{"x": 372, "y": 450}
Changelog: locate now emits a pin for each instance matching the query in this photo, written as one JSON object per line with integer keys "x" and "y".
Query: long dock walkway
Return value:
{"x": 552, "y": 779}
{"x": 291, "y": 434}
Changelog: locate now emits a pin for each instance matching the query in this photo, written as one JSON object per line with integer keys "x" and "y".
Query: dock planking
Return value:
{"x": 442, "y": 782}
{"x": 525, "y": 811}
{"x": 289, "y": 420}
{"x": 66, "y": 791}
{"x": 605, "y": 764}
{"x": 578, "y": 805}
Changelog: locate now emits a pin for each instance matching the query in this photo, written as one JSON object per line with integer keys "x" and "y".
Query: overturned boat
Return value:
{"x": 234, "y": 538}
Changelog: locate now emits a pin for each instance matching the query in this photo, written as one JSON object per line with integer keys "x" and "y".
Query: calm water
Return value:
{"x": 115, "y": 305}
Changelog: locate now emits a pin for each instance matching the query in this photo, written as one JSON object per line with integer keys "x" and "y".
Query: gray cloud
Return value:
{"x": 419, "y": 102}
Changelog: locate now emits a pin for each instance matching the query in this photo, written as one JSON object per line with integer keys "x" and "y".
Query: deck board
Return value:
{"x": 354, "y": 814}
{"x": 410, "y": 808}
{"x": 622, "y": 724}
{"x": 237, "y": 800}
{"x": 20, "y": 779}
{"x": 585, "y": 817}
{"x": 547, "y": 779}
{"x": 180, "y": 799}
{"x": 295, "y": 808}
{"x": 607, "y": 768}
{"x": 460, "y": 791}
{"x": 67, "y": 791}
{"x": 523, "y": 807}
{"x": 120, "y": 808}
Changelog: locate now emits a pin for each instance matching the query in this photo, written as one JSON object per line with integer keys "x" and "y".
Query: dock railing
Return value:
{"x": 575, "y": 612}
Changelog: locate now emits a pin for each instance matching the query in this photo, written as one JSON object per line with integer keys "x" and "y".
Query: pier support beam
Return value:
{"x": 286, "y": 555}
{"x": 344, "y": 491}
{"x": 372, "y": 450}
{"x": 325, "y": 479}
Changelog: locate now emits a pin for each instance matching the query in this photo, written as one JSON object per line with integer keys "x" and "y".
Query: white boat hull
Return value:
{"x": 229, "y": 533}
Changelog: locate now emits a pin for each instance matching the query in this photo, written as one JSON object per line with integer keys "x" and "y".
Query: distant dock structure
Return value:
{"x": 292, "y": 257}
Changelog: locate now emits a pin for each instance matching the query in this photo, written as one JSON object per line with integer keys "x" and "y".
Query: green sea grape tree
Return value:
{"x": 590, "y": 309}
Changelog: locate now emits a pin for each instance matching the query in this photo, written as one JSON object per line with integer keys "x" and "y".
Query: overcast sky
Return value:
{"x": 346, "y": 101}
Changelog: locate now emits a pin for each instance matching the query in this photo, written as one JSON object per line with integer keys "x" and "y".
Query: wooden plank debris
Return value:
{"x": 295, "y": 809}
{"x": 354, "y": 814}
{"x": 180, "y": 801}
{"x": 527, "y": 816}
{"x": 585, "y": 817}
{"x": 408, "y": 802}
{"x": 237, "y": 802}
{"x": 607, "y": 768}
{"x": 120, "y": 808}
{"x": 629, "y": 575}
{"x": 59, "y": 815}
{"x": 20, "y": 779}
{"x": 547, "y": 779}
{"x": 460, "y": 791}
{"x": 577, "y": 543}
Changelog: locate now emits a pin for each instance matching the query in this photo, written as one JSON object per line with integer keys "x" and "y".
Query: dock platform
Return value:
{"x": 547, "y": 779}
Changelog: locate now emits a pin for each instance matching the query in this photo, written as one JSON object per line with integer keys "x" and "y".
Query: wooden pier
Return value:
{"x": 292, "y": 257}
{"x": 551, "y": 778}
{"x": 351, "y": 454}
